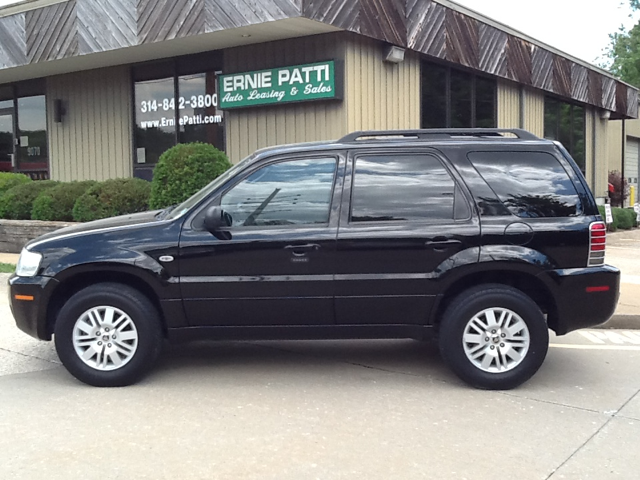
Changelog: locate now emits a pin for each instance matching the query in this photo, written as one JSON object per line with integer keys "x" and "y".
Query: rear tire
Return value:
{"x": 494, "y": 337}
{"x": 108, "y": 335}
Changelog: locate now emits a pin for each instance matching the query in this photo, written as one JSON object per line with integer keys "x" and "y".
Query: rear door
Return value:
{"x": 404, "y": 214}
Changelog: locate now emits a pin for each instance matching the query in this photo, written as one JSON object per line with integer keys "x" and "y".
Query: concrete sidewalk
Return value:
{"x": 623, "y": 251}
{"x": 11, "y": 258}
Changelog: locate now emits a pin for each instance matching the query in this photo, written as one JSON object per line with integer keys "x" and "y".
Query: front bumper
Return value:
{"x": 585, "y": 297}
{"x": 29, "y": 299}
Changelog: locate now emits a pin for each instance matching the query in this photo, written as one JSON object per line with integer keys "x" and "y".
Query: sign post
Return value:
{"x": 608, "y": 214}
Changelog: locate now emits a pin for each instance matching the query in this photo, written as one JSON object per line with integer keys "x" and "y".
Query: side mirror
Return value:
{"x": 215, "y": 219}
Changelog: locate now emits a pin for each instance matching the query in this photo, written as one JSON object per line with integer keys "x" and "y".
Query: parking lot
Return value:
{"x": 348, "y": 409}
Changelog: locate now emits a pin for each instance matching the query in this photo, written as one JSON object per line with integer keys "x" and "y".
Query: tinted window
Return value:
{"x": 565, "y": 122}
{"x": 530, "y": 184}
{"x": 401, "y": 187}
{"x": 287, "y": 193}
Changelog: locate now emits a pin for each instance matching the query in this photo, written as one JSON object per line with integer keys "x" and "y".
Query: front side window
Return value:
{"x": 529, "y": 184}
{"x": 401, "y": 188}
{"x": 296, "y": 192}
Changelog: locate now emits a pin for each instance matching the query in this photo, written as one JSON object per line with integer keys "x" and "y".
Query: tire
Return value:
{"x": 115, "y": 328}
{"x": 494, "y": 337}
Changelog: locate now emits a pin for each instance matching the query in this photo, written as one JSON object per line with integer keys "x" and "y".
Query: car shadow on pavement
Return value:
{"x": 309, "y": 358}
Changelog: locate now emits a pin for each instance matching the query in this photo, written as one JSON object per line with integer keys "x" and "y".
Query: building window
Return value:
{"x": 23, "y": 130}
{"x": 565, "y": 122}
{"x": 456, "y": 99}
{"x": 175, "y": 102}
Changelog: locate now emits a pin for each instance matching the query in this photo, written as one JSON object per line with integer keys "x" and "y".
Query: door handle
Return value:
{"x": 301, "y": 250}
{"x": 437, "y": 244}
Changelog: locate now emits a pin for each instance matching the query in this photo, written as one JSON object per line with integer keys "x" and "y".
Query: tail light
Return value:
{"x": 597, "y": 243}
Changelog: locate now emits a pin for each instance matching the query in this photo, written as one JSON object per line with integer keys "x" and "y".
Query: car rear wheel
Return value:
{"x": 108, "y": 335}
{"x": 494, "y": 337}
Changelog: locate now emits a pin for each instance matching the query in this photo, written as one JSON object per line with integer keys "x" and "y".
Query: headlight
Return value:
{"x": 28, "y": 264}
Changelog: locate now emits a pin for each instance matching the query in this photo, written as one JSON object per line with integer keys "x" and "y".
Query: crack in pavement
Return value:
{"x": 30, "y": 356}
{"x": 611, "y": 418}
{"x": 415, "y": 375}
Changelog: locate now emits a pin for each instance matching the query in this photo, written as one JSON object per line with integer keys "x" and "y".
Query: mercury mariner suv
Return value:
{"x": 481, "y": 239}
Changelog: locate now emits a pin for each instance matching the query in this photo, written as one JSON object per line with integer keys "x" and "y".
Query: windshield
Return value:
{"x": 185, "y": 206}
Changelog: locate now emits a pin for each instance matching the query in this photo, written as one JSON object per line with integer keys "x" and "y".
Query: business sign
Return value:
{"x": 300, "y": 83}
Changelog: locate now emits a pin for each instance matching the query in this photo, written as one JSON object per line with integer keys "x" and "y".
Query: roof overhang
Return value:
{"x": 258, "y": 33}
{"x": 47, "y": 37}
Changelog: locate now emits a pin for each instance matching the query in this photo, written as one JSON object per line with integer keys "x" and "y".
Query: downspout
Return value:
{"x": 624, "y": 152}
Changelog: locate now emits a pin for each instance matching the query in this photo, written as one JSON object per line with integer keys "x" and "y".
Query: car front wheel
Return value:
{"x": 494, "y": 337}
{"x": 108, "y": 335}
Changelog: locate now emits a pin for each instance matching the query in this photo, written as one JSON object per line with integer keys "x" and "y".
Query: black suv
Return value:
{"x": 485, "y": 238}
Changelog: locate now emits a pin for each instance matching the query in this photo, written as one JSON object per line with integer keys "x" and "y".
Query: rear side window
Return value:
{"x": 401, "y": 188}
{"x": 529, "y": 184}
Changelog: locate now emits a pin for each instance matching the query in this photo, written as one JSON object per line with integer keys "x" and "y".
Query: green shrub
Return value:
{"x": 56, "y": 204}
{"x": 183, "y": 170}
{"x": 10, "y": 180}
{"x": 17, "y": 203}
{"x": 111, "y": 198}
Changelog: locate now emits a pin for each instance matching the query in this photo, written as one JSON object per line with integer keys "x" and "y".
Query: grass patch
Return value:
{"x": 7, "y": 268}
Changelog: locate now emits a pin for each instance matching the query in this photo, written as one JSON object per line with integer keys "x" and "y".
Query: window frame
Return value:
{"x": 566, "y": 168}
{"x": 460, "y": 192}
{"x": 448, "y": 100}
{"x": 173, "y": 68}
{"x": 197, "y": 219}
{"x": 573, "y": 106}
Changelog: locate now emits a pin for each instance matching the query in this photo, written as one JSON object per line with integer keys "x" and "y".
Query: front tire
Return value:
{"x": 108, "y": 335}
{"x": 494, "y": 337}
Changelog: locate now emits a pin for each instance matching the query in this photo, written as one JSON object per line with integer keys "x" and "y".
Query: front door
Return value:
{"x": 406, "y": 220}
{"x": 7, "y": 149}
{"x": 274, "y": 264}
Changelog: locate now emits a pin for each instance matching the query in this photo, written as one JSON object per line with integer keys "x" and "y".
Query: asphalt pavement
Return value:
{"x": 328, "y": 410}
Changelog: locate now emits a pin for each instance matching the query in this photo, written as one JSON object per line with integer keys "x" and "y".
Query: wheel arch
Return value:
{"x": 528, "y": 283}
{"x": 73, "y": 284}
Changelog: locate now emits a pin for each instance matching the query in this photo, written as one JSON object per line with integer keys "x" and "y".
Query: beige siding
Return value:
{"x": 601, "y": 159}
{"x": 94, "y": 139}
{"x": 380, "y": 95}
{"x": 534, "y": 111}
{"x": 508, "y": 105}
{"x": 377, "y": 95}
{"x": 251, "y": 129}
{"x": 590, "y": 158}
{"x": 632, "y": 129}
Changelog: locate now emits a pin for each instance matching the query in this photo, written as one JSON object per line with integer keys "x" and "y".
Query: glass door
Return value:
{"x": 7, "y": 143}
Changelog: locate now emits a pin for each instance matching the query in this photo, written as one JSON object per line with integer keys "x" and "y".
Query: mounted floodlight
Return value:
{"x": 394, "y": 55}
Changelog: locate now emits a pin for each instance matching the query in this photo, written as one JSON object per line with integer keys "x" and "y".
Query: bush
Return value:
{"x": 56, "y": 204}
{"x": 10, "y": 180}
{"x": 620, "y": 188}
{"x": 183, "y": 170}
{"x": 623, "y": 218}
{"x": 111, "y": 198}
{"x": 17, "y": 203}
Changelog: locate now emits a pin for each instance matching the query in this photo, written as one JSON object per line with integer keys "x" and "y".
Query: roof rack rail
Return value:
{"x": 440, "y": 133}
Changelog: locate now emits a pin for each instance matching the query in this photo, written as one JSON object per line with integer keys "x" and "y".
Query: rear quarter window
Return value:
{"x": 529, "y": 184}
